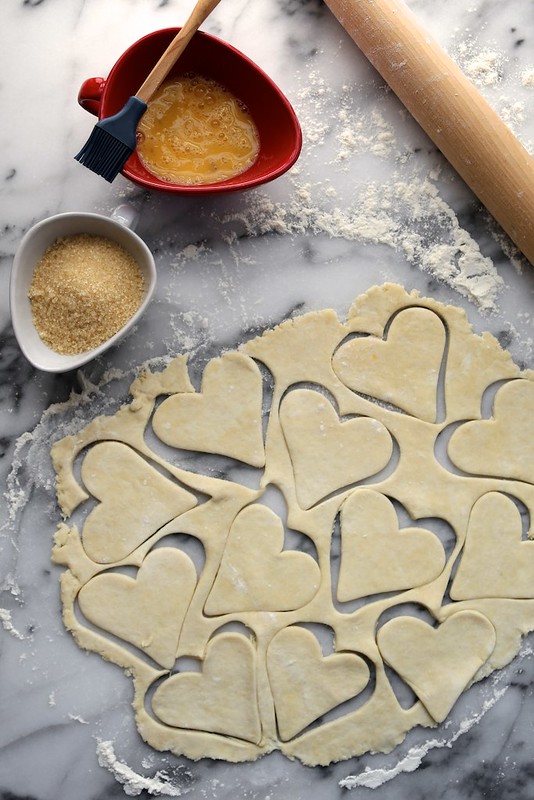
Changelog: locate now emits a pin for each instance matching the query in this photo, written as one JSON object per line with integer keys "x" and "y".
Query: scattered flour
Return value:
{"x": 405, "y": 211}
{"x": 485, "y": 65}
{"x": 355, "y": 129}
{"x": 16, "y": 495}
{"x": 485, "y": 68}
{"x": 359, "y": 133}
{"x": 192, "y": 251}
{"x": 513, "y": 113}
{"x": 133, "y": 783}
{"x": 77, "y": 718}
{"x": 10, "y": 584}
{"x": 7, "y": 624}
{"x": 374, "y": 778}
{"x": 410, "y": 217}
{"x": 406, "y": 214}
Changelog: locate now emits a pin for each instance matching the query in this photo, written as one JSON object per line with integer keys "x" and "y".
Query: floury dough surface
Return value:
{"x": 397, "y": 553}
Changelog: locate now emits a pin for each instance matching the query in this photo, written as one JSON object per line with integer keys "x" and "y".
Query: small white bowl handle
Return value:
{"x": 127, "y": 215}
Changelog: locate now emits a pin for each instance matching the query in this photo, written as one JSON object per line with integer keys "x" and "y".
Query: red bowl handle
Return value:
{"x": 90, "y": 94}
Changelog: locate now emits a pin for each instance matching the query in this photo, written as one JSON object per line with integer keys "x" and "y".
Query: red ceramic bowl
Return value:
{"x": 279, "y": 130}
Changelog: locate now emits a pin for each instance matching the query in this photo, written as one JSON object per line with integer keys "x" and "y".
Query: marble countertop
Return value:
{"x": 370, "y": 200}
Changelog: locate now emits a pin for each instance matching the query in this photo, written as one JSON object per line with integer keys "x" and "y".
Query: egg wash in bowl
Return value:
{"x": 196, "y": 132}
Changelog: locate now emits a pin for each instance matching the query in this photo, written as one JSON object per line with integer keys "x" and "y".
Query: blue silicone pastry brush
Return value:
{"x": 113, "y": 139}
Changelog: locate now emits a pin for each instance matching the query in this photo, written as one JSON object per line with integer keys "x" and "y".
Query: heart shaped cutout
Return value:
{"x": 256, "y": 574}
{"x": 402, "y": 369}
{"x": 327, "y": 454}
{"x": 496, "y": 561}
{"x": 135, "y": 501}
{"x": 377, "y": 556}
{"x": 305, "y": 683}
{"x": 224, "y": 418}
{"x": 502, "y": 446}
{"x": 437, "y": 663}
{"x": 220, "y": 699}
{"x": 148, "y": 611}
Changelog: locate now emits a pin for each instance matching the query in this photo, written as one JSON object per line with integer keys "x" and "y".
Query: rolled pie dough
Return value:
{"x": 401, "y": 544}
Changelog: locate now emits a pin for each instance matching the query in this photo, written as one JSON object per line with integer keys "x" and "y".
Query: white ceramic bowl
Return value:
{"x": 30, "y": 251}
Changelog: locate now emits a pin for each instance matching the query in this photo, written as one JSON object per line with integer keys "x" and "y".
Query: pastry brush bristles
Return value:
{"x": 112, "y": 141}
{"x": 104, "y": 154}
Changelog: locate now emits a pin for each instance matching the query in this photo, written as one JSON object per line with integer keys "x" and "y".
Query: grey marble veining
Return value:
{"x": 229, "y": 267}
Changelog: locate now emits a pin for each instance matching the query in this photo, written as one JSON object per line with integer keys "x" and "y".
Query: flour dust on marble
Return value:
{"x": 133, "y": 783}
{"x": 406, "y": 211}
{"x": 375, "y": 777}
{"x": 7, "y": 624}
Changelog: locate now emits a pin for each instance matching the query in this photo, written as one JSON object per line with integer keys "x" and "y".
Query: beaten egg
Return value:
{"x": 196, "y": 132}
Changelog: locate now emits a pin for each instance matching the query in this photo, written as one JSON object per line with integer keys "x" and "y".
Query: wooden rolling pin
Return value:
{"x": 469, "y": 133}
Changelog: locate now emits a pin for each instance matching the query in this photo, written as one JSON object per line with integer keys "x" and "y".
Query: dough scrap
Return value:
{"x": 360, "y": 416}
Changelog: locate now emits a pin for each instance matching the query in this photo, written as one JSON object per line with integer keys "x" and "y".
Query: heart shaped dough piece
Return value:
{"x": 328, "y": 454}
{"x": 403, "y": 369}
{"x": 495, "y": 562}
{"x": 502, "y": 446}
{"x": 224, "y": 418}
{"x": 148, "y": 610}
{"x": 135, "y": 501}
{"x": 305, "y": 684}
{"x": 256, "y": 574}
{"x": 378, "y": 557}
{"x": 220, "y": 699}
{"x": 437, "y": 663}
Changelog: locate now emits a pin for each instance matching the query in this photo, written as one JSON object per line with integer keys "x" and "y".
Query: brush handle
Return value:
{"x": 201, "y": 11}
{"x": 469, "y": 133}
